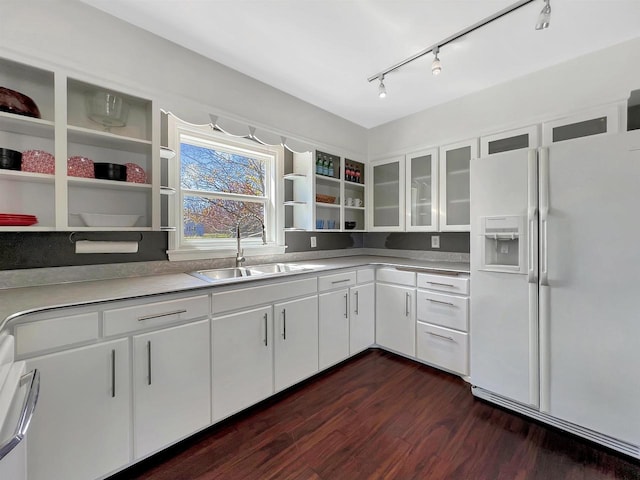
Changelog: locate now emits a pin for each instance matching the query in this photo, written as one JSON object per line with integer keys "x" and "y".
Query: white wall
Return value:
{"x": 76, "y": 36}
{"x": 591, "y": 80}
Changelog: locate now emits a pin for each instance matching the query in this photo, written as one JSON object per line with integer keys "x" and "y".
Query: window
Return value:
{"x": 222, "y": 183}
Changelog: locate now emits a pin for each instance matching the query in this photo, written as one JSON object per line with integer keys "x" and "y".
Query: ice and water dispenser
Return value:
{"x": 504, "y": 244}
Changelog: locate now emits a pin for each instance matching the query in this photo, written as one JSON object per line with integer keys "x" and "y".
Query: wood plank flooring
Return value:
{"x": 379, "y": 416}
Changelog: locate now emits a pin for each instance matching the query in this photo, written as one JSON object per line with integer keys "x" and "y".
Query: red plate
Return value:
{"x": 17, "y": 222}
{"x": 17, "y": 215}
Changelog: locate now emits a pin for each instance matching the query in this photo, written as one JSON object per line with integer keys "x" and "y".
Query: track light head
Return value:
{"x": 545, "y": 16}
{"x": 436, "y": 66}
{"x": 382, "y": 90}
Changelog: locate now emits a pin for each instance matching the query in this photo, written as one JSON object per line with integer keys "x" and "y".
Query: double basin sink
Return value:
{"x": 218, "y": 274}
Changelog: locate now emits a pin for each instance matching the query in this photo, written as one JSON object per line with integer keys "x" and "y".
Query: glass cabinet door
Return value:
{"x": 422, "y": 191}
{"x": 388, "y": 193}
{"x": 454, "y": 185}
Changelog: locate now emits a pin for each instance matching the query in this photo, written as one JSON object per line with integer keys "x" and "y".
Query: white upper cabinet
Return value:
{"x": 597, "y": 121}
{"x": 387, "y": 197}
{"x": 76, "y": 124}
{"x": 454, "y": 185}
{"x": 421, "y": 197}
{"x": 521, "y": 138}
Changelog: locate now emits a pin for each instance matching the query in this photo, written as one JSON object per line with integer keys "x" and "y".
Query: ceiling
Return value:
{"x": 323, "y": 51}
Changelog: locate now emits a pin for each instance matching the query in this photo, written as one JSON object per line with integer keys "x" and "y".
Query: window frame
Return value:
{"x": 181, "y": 248}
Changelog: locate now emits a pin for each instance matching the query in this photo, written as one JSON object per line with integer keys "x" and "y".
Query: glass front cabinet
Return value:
{"x": 421, "y": 195}
{"x": 454, "y": 185}
{"x": 387, "y": 195}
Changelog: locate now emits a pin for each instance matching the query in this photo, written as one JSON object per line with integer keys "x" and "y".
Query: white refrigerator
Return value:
{"x": 555, "y": 313}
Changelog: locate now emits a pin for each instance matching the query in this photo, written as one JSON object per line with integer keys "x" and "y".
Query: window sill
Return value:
{"x": 204, "y": 254}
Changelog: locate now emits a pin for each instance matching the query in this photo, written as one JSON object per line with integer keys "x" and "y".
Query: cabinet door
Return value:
{"x": 81, "y": 428}
{"x": 296, "y": 341}
{"x": 171, "y": 385}
{"x": 362, "y": 318}
{"x": 388, "y": 194}
{"x": 395, "y": 318}
{"x": 454, "y": 185}
{"x": 242, "y": 352}
{"x": 333, "y": 327}
{"x": 422, "y": 191}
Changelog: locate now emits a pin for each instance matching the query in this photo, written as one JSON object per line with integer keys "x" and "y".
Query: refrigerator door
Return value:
{"x": 504, "y": 341}
{"x": 589, "y": 321}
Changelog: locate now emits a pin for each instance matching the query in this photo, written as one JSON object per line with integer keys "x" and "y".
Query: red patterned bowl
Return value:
{"x": 38, "y": 161}
{"x": 80, "y": 167}
{"x": 135, "y": 173}
{"x": 18, "y": 103}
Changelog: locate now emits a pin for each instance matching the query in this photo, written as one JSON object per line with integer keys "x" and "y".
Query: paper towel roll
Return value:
{"x": 88, "y": 246}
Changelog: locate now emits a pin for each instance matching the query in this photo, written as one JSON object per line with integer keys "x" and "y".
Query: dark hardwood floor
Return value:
{"x": 379, "y": 416}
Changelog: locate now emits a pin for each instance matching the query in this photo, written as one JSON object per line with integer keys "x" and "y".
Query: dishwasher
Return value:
{"x": 18, "y": 398}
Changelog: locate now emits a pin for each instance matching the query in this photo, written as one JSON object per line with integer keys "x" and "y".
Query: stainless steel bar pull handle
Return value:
{"x": 406, "y": 304}
{"x": 26, "y": 414}
{"x": 346, "y": 305}
{"x": 266, "y": 330}
{"x": 340, "y": 281}
{"x": 149, "y": 362}
{"x": 357, "y": 303}
{"x": 159, "y": 315}
{"x": 284, "y": 323}
{"x": 441, "y": 284}
{"x": 441, "y": 336}
{"x": 113, "y": 373}
{"x": 441, "y": 302}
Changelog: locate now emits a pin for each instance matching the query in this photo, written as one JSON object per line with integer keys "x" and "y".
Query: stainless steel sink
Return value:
{"x": 224, "y": 273}
{"x": 271, "y": 268}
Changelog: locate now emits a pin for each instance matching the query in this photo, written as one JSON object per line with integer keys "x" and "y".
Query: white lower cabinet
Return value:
{"x": 443, "y": 347}
{"x": 296, "y": 341}
{"x": 82, "y": 425}
{"x": 242, "y": 352}
{"x": 362, "y": 327}
{"x": 333, "y": 329}
{"x": 171, "y": 385}
{"x": 395, "y": 318}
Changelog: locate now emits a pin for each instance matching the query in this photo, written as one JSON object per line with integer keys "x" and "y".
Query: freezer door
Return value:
{"x": 589, "y": 258}
{"x": 503, "y": 316}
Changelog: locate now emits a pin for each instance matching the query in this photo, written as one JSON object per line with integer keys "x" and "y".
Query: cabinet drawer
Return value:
{"x": 445, "y": 310}
{"x": 401, "y": 277}
{"x": 365, "y": 275}
{"x": 339, "y": 280}
{"x": 57, "y": 332}
{"x": 444, "y": 283}
{"x": 443, "y": 347}
{"x": 137, "y": 317}
{"x": 248, "y": 297}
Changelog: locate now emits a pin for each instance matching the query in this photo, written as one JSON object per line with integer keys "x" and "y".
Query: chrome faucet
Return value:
{"x": 240, "y": 252}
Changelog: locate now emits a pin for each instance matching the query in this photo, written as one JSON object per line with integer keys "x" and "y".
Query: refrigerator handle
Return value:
{"x": 544, "y": 214}
{"x": 532, "y": 217}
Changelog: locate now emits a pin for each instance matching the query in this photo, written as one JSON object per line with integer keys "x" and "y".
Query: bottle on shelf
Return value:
{"x": 347, "y": 172}
{"x": 319, "y": 165}
{"x": 331, "y": 172}
{"x": 358, "y": 179}
{"x": 325, "y": 166}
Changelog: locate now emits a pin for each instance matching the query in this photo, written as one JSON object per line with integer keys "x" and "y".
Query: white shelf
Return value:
{"x": 31, "y": 228}
{"x": 18, "y": 176}
{"x": 107, "y": 184}
{"x": 167, "y": 191}
{"x": 458, "y": 172}
{"x": 36, "y": 127}
{"x": 324, "y": 178}
{"x": 353, "y": 208}
{"x": 294, "y": 203}
{"x": 87, "y": 136}
{"x": 386, "y": 207}
{"x": 353, "y": 184}
{"x": 294, "y": 176}
{"x": 167, "y": 153}
{"x": 109, "y": 229}
{"x": 294, "y": 229}
{"x": 387, "y": 183}
{"x": 327, "y": 205}
{"x": 459, "y": 200}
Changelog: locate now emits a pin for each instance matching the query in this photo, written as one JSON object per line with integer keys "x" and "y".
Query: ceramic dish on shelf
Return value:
{"x": 17, "y": 220}
{"x": 79, "y": 166}
{"x": 10, "y": 159}
{"x": 135, "y": 173}
{"x": 107, "y": 108}
{"x": 106, "y": 220}
{"x": 38, "y": 161}
{"x": 110, "y": 171}
{"x": 18, "y": 103}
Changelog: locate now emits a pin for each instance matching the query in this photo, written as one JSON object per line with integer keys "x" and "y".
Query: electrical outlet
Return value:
{"x": 314, "y": 244}
{"x": 435, "y": 241}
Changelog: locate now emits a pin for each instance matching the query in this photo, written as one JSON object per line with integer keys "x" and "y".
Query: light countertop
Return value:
{"x": 18, "y": 301}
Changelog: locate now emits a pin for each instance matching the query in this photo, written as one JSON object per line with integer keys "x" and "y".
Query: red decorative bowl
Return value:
{"x": 135, "y": 173}
{"x": 38, "y": 161}
{"x": 15, "y": 102}
{"x": 80, "y": 167}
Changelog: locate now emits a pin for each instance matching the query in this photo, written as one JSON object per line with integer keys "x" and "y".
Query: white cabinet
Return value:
{"x": 362, "y": 318}
{"x": 171, "y": 385}
{"x": 242, "y": 352}
{"x": 421, "y": 196}
{"x": 296, "y": 341}
{"x": 596, "y": 121}
{"x": 82, "y": 427}
{"x": 56, "y": 195}
{"x": 333, "y": 327}
{"x": 387, "y": 194}
{"x": 298, "y": 191}
{"x": 454, "y": 185}
{"x": 395, "y": 318}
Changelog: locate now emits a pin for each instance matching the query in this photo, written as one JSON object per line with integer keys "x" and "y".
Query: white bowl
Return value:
{"x": 104, "y": 220}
